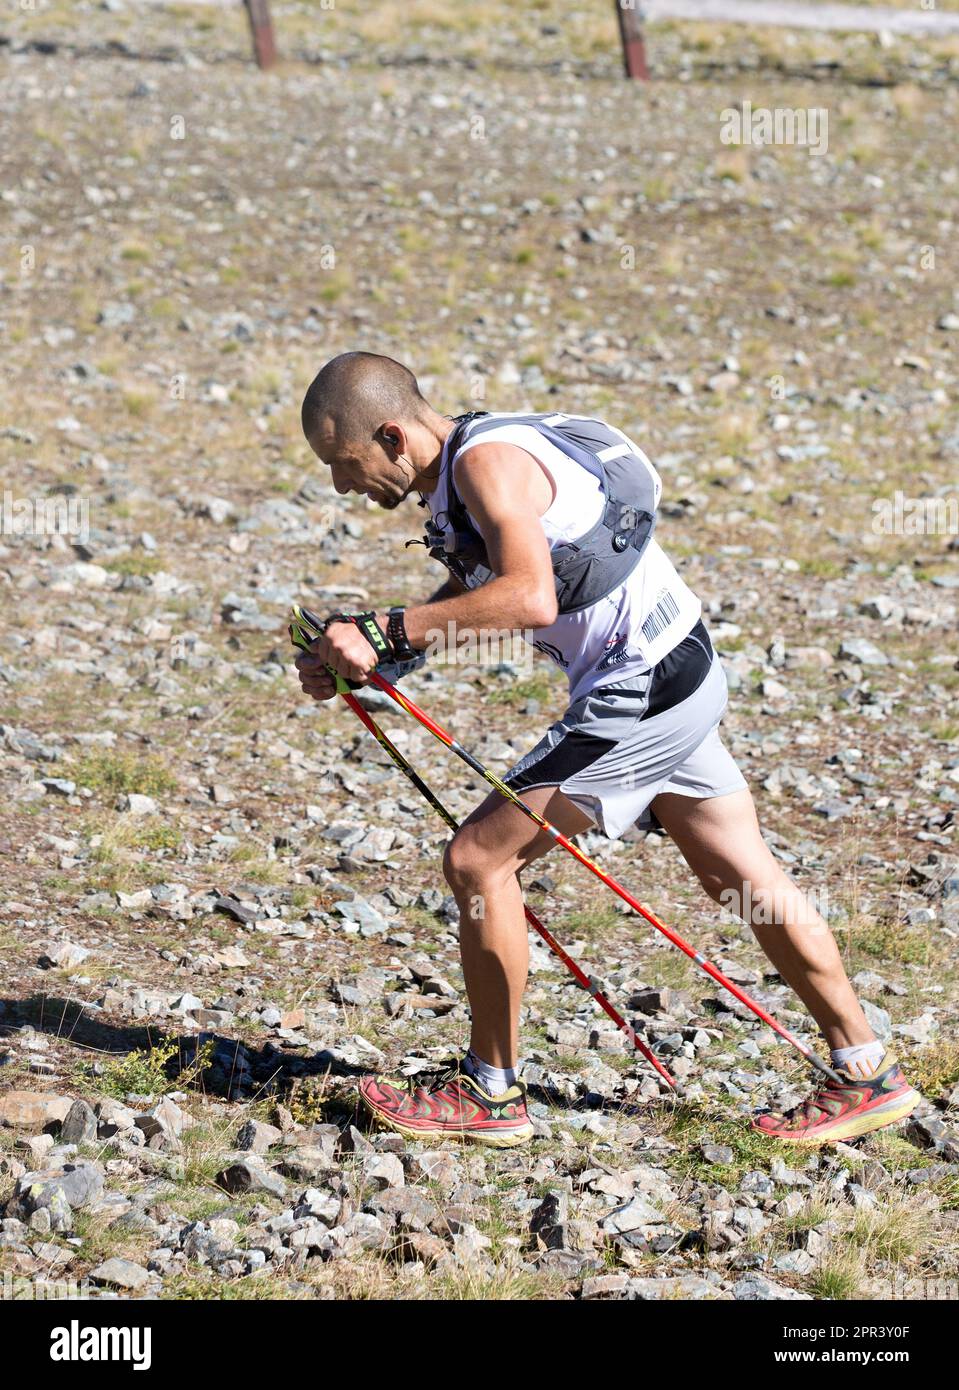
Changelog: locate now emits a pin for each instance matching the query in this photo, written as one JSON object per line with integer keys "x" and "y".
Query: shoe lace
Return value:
{"x": 808, "y": 1110}
{"x": 811, "y": 1107}
{"x": 434, "y": 1078}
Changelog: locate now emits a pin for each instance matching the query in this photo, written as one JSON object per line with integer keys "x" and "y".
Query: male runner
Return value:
{"x": 639, "y": 743}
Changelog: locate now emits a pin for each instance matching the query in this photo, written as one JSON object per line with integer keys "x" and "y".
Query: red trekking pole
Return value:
{"x": 711, "y": 970}
{"x": 531, "y": 917}
{"x": 302, "y": 631}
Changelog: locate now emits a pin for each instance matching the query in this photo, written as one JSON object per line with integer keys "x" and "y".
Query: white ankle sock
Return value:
{"x": 494, "y": 1080}
{"x": 861, "y": 1060}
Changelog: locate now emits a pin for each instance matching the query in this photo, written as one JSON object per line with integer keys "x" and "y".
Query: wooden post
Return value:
{"x": 261, "y": 27}
{"x": 631, "y": 33}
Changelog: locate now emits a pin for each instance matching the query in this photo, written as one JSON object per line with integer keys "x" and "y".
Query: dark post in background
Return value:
{"x": 634, "y": 45}
{"x": 261, "y": 27}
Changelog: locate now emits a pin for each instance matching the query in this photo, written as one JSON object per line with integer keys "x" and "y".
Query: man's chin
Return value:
{"x": 390, "y": 501}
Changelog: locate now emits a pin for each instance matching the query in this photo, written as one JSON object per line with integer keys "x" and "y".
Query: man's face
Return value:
{"x": 368, "y": 470}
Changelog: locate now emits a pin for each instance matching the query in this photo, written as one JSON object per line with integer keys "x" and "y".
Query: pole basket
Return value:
{"x": 261, "y": 28}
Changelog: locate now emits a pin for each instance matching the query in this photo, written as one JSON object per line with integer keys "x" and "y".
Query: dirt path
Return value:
{"x": 801, "y": 16}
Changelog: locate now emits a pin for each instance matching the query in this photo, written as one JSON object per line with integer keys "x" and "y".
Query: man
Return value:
{"x": 639, "y": 742}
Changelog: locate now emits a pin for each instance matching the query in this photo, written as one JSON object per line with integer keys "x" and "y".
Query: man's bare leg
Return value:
{"x": 720, "y": 840}
{"x": 482, "y": 866}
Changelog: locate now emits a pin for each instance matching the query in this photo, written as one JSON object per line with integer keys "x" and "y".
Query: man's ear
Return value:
{"x": 390, "y": 436}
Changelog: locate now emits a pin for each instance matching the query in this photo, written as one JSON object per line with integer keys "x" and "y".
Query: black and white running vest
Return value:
{"x": 585, "y": 570}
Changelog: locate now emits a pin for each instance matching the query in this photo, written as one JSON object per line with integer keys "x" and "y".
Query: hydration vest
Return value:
{"x": 592, "y": 566}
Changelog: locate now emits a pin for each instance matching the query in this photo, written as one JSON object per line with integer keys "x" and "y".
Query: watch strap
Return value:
{"x": 396, "y": 633}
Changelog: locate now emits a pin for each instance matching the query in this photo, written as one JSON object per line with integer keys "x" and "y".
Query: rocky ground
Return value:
{"x": 223, "y": 904}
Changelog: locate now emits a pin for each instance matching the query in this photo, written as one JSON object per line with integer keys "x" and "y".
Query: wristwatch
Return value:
{"x": 396, "y": 633}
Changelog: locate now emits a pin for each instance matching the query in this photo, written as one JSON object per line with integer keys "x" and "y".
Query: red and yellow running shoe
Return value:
{"x": 448, "y": 1103}
{"x": 832, "y": 1113}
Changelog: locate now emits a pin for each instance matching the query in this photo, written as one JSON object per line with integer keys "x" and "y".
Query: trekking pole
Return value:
{"x": 711, "y": 970}
{"x": 531, "y": 917}
{"x": 413, "y": 776}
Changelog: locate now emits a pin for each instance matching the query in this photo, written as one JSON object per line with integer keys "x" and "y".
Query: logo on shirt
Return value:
{"x": 616, "y": 652}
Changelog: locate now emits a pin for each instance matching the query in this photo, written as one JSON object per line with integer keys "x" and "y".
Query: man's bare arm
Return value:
{"x": 506, "y": 492}
{"x": 448, "y": 589}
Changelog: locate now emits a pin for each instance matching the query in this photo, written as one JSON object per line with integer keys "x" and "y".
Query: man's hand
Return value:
{"x": 315, "y": 679}
{"x": 344, "y": 648}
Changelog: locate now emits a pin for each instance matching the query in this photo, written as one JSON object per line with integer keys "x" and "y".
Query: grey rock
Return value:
{"x": 258, "y": 1137}
{"x": 76, "y": 1184}
{"x": 550, "y": 1221}
{"x": 749, "y": 1220}
{"x": 684, "y": 1286}
{"x": 80, "y": 1125}
{"x": 757, "y": 1183}
{"x": 878, "y": 1020}
{"x": 606, "y": 1286}
{"x": 862, "y": 651}
{"x": 383, "y": 1169}
{"x": 794, "y": 1262}
{"x": 121, "y": 1274}
{"x": 65, "y": 956}
{"x": 631, "y": 1217}
{"x": 136, "y": 804}
{"x": 755, "y": 1288}
{"x": 720, "y": 1154}
{"x": 918, "y": 1030}
{"x": 365, "y": 916}
{"x": 33, "y": 1110}
{"x": 248, "y": 1175}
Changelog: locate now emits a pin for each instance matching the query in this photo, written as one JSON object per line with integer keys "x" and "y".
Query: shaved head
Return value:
{"x": 358, "y": 392}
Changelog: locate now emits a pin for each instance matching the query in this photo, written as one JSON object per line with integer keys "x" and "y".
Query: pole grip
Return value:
{"x": 343, "y": 686}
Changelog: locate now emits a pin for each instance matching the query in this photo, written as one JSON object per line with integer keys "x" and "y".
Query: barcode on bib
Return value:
{"x": 660, "y": 618}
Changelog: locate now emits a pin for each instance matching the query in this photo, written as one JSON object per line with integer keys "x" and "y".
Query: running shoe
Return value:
{"x": 835, "y": 1112}
{"x": 448, "y": 1103}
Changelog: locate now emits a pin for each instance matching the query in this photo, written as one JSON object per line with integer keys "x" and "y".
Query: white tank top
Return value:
{"x": 634, "y": 626}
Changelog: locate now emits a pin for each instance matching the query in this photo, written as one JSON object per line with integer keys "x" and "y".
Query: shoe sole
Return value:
{"x": 891, "y": 1112}
{"x": 492, "y": 1139}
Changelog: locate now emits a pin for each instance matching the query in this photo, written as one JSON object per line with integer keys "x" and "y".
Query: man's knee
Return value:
{"x": 465, "y": 865}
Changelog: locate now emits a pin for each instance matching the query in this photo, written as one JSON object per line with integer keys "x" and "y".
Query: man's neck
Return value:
{"x": 429, "y": 478}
